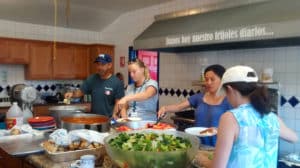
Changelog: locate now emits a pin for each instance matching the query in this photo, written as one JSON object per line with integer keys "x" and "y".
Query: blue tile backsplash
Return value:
{"x": 176, "y": 92}
{"x": 292, "y": 101}
{"x": 43, "y": 89}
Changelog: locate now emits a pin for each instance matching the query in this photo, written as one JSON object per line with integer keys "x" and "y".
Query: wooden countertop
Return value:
{"x": 43, "y": 161}
{"x": 184, "y": 119}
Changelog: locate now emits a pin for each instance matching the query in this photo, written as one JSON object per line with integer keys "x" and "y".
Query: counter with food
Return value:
{"x": 63, "y": 147}
{"x": 43, "y": 161}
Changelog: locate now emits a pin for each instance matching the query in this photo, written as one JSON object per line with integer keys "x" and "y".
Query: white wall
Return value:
{"x": 42, "y": 32}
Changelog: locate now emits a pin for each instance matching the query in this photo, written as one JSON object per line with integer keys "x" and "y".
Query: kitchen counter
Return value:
{"x": 43, "y": 161}
{"x": 21, "y": 145}
{"x": 42, "y": 109}
{"x": 187, "y": 120}
{"x": 182, "y": 122}
{"x": 50, "y": 104}
{"x": 13, "y": 149}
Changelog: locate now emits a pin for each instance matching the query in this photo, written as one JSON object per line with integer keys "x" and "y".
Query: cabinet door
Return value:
{"x": 3, "y": 51}
{"x": 18, "y": 51}
{"x": 41, "y": 111}
{"x": 40, "y": 65}
{"x": 7, "y": 161}
{"x": 63, "y": 64}
{"x": 14, "y": 51}
{"x": 81, "y": 62}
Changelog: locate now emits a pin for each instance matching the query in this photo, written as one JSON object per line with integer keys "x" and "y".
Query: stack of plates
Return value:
{"x": 43, "y": 123}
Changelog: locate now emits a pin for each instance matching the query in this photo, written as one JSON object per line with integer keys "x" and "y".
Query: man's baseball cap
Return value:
{"x": 103, "y": 58}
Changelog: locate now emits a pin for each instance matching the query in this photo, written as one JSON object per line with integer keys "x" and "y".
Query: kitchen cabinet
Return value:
{"x": 27, "y": 165}
{"x": 9, "y": 161}
{"x": 3, "y": 50}
{"x": 63, "y": 62}
{"x": 3, "y": 110}
{"x": 40, "y": 65}
{"x": 71, "y": 62}
{"x": 14, "y": 51}
{"x": 41, "y": 110}
{"x": 97, "y": 49}
{"x": 81, "y": 62}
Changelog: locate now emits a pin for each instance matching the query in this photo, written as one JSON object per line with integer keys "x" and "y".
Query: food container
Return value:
{"x": 138, "y": 125}
{"x": 59, "y": 111}
{"x": 95, "y": 122}
{"x": 170, "y": 159}
{"x": 75, "y": 155}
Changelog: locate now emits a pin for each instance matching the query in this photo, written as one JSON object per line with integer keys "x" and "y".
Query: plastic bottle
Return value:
{"x": 27, "y": 113}
{"x": 14, "y": 116}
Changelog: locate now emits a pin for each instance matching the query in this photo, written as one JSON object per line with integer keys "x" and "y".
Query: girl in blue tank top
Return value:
{"x": 248, "y": 134}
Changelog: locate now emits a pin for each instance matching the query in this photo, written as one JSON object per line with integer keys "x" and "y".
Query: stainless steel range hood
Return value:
{"x": 268, "y": 23}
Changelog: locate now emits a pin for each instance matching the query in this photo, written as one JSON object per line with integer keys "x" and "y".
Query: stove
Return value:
{"x": 184, "y": 119}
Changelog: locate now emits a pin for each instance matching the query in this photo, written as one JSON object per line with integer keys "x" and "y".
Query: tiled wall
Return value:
{"x": 177, "y": 71}
{"x": 14, "y": 74}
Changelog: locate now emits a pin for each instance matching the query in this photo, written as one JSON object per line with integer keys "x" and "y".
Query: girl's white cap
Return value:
{"x": 238, "y": 73}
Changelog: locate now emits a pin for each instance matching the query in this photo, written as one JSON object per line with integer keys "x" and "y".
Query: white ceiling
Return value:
{"x": 84, "y": 14}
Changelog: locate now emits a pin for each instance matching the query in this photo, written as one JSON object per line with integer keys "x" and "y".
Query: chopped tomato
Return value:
{"x": 160, "y": 126}
{"x": 125, "y": 165}
{"x": 123, "y": 128}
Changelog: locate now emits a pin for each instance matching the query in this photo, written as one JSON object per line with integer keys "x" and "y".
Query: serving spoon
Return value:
{"x": 160, "y": 118}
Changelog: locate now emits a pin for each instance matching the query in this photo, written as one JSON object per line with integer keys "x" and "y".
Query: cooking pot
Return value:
{"x": 95, "y": 122}
{"x": 59, "y": 111}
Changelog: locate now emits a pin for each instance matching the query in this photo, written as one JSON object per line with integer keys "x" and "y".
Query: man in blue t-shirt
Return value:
{"x": 104, "y": 87}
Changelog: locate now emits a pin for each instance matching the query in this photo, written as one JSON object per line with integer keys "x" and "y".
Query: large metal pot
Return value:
{"x": 59, "y": 111}
{"x": 95, "y": 122}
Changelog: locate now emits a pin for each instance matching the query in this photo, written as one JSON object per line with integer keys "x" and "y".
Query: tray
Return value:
{"x": 12, "y": 137}
{"x": 75, "y": 155}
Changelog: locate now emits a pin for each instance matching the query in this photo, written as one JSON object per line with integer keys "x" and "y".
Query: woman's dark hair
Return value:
{"x": 219, "y": 70}
{"x": 258, "y": 95}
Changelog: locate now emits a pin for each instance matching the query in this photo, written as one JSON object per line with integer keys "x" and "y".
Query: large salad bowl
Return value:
{"x": 133, "y": 158}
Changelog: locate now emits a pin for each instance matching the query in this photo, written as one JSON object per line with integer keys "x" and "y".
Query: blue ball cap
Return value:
{"x": 103, "y": 58}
